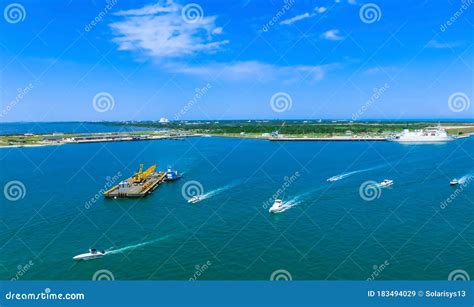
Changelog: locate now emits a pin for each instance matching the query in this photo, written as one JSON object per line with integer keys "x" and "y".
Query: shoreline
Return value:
{"x": 101, "y": 137}
{"x": 281, "y": 139}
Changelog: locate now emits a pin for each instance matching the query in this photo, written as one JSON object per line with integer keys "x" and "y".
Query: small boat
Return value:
{"x": 195, "y": 199}
{"x": 172, "y": 175}
{"x": 386, "y": 183}
{"x": 334, "y": 178}
{"x": 277, "y": 206}
{"x": 92, "y": 254}
{"x": 454, "y": 182}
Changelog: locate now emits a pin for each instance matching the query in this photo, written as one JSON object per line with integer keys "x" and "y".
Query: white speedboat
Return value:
{"x": 334, "y": 178}
{"x": 92, "y": 254}
{"x": 278, "y": 206}
{"x": 386, "y": 183}
{"x": 195, "y": 199}
{"x": 454, "y": 182}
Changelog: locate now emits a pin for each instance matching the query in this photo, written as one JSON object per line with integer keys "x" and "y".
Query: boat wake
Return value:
{"x": 466, "y": 178}
{"x": 217, "y": 191}
{"x": 287, "y": 205}
{"x": 135, "y": 246}
{"x": 345, "y": 175}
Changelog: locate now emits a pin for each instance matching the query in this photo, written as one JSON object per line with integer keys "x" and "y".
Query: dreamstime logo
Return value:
{"x": 103, "y": 275}
{"x": 378, "y": 269}
{"x": 109, "y": 182}
{"x": 281, "y": 102}
{"x": 22, "y": 93}
{"x": 192, "y": 188}
{"x": 200, "y": 92}
{"x": 14, "y": 13}
{"x": 22, "y": 270}
{"x": 288, "y": 181}
{"x": 466, "y": 4}
{"x": 98, "y": 19}
{"x": 103, "y": 102}
{"x": 192, "y": 13}
{"x": 288, "y": 4}
{"x": 463, "y": 183}
{"x": 370, "y": 13}
{"x": 378, "y": 92}
{"x": 200, "y": 269}
{"x": 369, "y": 190}
{"x": 14, "y": 190}
{"x": 281, "y": 275}
{"x": 458, "y": 275}
{"x": 459, "y": 102}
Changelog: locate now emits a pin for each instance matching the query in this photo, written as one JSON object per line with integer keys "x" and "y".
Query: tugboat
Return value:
{"x": 172, "y": 175}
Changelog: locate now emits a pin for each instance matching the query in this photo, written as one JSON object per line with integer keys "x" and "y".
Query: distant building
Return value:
{"x": 164, "y": 120}
{"x": 53, "y": 138}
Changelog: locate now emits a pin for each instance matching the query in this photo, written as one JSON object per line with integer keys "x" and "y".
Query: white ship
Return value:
{"x": 429, "y": 135}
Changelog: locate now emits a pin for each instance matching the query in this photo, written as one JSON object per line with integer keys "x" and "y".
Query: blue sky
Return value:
{"x": 323, "y": 59}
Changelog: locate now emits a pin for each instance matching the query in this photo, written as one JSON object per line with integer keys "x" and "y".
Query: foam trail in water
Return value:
{"x": 132, "y": 247}
{"x": 217, "y": 191}
{"x": 295, "y": 201}
{"x": 345, "y": 175}
{"x": 465, "y": 178}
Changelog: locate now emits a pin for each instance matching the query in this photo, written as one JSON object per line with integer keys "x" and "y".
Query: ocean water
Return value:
{"x": 328, "y": 232}
{"x": 64, "y": 127}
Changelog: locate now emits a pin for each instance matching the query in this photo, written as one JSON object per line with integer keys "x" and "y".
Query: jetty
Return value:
{"x": 331, "y": 139}
{"x": 140, "y": 184}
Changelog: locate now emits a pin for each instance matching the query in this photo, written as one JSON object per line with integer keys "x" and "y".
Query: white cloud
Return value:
{"x": 254, "y": 70}
{"x": 160, "y": 7}
{"x": 381, "y": 70}
{"x": 292, "y": 20}
{"x": 296, "y": 18}
{"x": 321, "y": 9}
{"x": 333, "y": 35}
{"x": 159, "y": 31}
{"x": 437, "y": 45}
{"x": 217, "y": 30}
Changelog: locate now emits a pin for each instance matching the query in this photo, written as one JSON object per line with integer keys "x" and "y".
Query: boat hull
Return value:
{"x": 87, "y": 256}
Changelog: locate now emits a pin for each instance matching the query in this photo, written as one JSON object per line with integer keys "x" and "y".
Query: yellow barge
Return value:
{"x": 140, "y": 184}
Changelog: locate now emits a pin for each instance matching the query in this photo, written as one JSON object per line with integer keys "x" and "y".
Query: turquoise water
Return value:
{"x": 330, "y": 232}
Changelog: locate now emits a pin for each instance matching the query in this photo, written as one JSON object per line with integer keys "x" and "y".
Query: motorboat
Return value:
{"x": 334, "y": 178}
{"x": 454, "y": 182}
{"x": 386, "y": 183}
{"x": 195, "y": 199}
{"x": 92, "y": 254}
{"x": 277, "y": 206}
